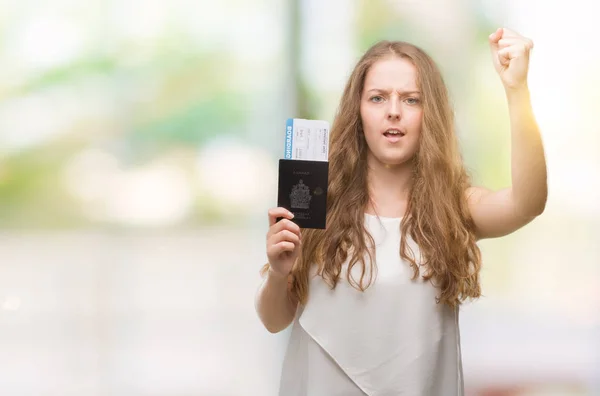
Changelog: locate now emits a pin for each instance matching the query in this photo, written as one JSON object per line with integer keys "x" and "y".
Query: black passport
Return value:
{"x": 302, "y": 189}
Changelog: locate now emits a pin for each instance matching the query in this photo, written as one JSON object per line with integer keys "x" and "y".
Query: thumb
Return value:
{"x": 495, "y": 37}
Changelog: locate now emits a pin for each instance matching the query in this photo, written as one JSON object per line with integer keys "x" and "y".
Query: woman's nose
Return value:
{"x": 394, "y": 110}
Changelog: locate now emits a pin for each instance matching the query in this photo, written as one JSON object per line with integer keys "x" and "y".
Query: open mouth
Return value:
{"x": 393, "y": 133}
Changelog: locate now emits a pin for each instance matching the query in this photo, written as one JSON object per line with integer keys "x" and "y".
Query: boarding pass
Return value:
{"x": 306, "y": 140}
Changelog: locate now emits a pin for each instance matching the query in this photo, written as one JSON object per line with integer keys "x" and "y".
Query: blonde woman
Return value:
{"x": 374, "y": 299}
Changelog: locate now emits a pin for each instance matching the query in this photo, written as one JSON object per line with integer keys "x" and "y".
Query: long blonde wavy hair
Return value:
{"x": 437, "y": 216}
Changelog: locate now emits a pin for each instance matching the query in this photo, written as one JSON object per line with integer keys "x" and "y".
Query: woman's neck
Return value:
{"x": 389, "y": 188}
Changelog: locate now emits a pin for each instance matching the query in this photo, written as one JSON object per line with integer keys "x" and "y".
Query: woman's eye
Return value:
{"x": 377, "y": 99}
{"x": 412, "y": 101}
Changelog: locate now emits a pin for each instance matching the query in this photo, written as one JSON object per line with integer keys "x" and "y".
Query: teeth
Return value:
{"x": 393, "y": 132}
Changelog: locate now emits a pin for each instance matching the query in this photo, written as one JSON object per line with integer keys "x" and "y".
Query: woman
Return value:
{"x": 374, "y": 299}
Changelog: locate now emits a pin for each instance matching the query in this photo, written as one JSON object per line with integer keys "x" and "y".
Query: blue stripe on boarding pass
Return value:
{"x": 289, "y": 137}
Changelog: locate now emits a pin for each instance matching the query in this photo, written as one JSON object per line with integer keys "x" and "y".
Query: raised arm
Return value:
{"x": 498, "y": 213}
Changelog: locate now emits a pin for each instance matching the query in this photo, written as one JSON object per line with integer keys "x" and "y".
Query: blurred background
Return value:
{"x": 138, "y": 157}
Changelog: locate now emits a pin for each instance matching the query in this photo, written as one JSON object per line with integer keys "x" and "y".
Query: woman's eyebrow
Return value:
{"x": 387, "y": 91}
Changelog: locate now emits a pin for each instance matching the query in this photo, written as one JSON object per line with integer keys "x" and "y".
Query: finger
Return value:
{"x": 507, "y": 42}
{"x": 285, "y": 236}
{"x": 274, "y": 213}
{"x": 495, "y": 36}
{"x": 504, "y": 56}
{"x": 528, "y": 43}
{"x": 511, "y": 34}
{"x": 514, "y": 51}
{"x": 284, "y": 224}
{"x": 282, "y": 247}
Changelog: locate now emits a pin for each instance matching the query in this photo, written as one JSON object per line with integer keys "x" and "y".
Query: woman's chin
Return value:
{"x": 393, "y": 162}
{"x": 389, "y": 161}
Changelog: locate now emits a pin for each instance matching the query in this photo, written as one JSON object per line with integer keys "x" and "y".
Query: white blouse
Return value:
{"x": 392, "y": 339}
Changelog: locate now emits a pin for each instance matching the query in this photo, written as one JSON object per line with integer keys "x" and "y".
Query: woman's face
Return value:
{"x": 391, "y": 111}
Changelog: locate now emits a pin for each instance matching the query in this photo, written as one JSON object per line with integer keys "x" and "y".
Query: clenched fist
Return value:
{"x": 510, "y": 54}
{"x": 284, "y": 241}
